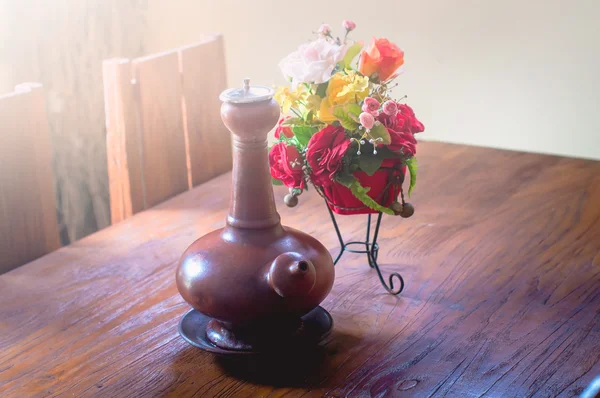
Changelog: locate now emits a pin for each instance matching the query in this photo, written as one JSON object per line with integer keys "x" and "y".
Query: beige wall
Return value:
{"x": 519, "y": 74}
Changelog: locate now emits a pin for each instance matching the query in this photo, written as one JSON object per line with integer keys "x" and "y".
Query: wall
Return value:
{"x": 511, "y": 74}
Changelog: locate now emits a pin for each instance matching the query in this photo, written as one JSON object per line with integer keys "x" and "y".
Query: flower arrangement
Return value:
{"x": 341, "y": 131}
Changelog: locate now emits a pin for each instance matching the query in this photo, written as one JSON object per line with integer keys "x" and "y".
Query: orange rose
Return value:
{"x": 382, "y": 57}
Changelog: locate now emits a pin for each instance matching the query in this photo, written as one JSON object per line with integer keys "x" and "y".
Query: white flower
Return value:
{"x": 313, "y": 62}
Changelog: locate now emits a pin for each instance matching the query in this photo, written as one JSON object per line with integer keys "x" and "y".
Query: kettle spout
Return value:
{"x": 291, "y": 275}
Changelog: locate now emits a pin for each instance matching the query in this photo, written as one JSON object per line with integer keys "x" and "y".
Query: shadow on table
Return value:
{"x": 300, "y": 366}
{"x": 293, "y": 368}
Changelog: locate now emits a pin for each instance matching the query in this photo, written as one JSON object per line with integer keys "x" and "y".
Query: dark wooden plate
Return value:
{"x": 316, "y": 325}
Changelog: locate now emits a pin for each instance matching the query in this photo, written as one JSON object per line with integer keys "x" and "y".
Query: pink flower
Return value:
{"x": 349, "y": 25}
{"x": 367, "y": 120}
{"x": 390, "y": 108}
{"x": 324, "y": 30}
{"x": 371, "y": 105}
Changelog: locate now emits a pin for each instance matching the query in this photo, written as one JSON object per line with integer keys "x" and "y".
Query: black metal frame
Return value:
{"x": 371, "y": 250}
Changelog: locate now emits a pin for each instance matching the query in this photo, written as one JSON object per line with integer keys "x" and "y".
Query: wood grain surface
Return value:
{"x": 502, "y": 298}
{"x": 28, "y": 225}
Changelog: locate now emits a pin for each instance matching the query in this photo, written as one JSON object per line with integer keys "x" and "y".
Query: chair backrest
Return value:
{"x": 164, "y": 130}
{"x": 28, "y": 222}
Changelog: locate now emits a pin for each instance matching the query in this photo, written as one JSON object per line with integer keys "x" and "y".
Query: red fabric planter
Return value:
{"x": 341, "y": 200}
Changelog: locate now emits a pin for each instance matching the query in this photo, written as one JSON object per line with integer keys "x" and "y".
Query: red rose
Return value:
{"x": 286, "y": 165}
{"x": 286, "y": 130}
{"x": 405, "y": 142}
{"x": 399, "y": 128}
{"x": 402, "y": 127}
{"x": 415, "y": 125}
{"x": 324, "y": 154}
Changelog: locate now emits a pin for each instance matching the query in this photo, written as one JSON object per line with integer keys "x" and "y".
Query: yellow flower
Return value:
{"x": 358, "y": 87}
{"x": 343, "y": 88}
{"x": 289, "y": 99}
{"x": 313, "y": 103}
{"x": 325, "y": 114}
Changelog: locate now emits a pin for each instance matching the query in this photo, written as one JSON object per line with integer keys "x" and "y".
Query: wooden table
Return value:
{"x": 502, "y": 298}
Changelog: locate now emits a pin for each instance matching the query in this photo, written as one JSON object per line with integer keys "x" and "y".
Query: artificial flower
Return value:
{"x": 371, "y": 105}
{"x": 324, "y": 154}
{"x": 343, "y": 88}
{"x": 354, "y": 87}
{"x": 414, "y": 124}
{"x": 348, "y": 25}
{"x": 328, "y": 96}
{"x": 367, "y": 120}
{"x": 313, "y": 103}
{"x": 390, "y": 108}
{"x": 324, "y": 30}
{"x": 281, "y": 129}
{"x": 402, "y": 142}
{"x": 402, "y": 127}
{"x": 381, "y": 60}
{"x": 286, "y": 165}
{"x": 313, "y": 62}
{"x": 288, "y": 99}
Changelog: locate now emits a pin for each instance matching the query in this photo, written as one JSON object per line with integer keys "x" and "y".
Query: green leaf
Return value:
{"x": 353, "y": 109}
{"x": 361, "y": 194}
{"x": 292, "y": 121}
{"x": 370, "y": 163}
{"x": 411, "y": 164}
{"x": 309, "y": 116}
{"x": 346, "y": 179}
{"x": 275, "y": 181}
{"x": 303, "y": 134}
{"x": 345, "y": 120}
{"x": 387, "y": 153}
{"x": 351, "y": 54}
{"x": 322, "y": 90}
{"x": 379, "y": 131}
{"x": 289, "y": 141}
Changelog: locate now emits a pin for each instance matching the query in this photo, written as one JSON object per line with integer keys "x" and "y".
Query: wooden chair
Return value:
{"x": 164, "y": 130}
{"x": 28, "y": 222}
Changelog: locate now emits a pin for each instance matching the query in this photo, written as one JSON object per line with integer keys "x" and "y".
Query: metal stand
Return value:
{"x": 371, "y": 249}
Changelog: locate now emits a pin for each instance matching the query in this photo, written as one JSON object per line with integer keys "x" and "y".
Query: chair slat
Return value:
{"x": 164, "y": 129}
{"x": 163, "y": 152}
{"x": 204, "y": 78}
{"x": 28, "y": 222}
{"x": 122, "y": 140}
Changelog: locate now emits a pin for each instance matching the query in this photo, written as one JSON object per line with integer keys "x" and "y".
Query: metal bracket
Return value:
{"x": 371, "y": 249}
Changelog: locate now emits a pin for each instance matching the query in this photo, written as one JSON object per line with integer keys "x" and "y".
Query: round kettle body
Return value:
{"x": 240, "y": 276}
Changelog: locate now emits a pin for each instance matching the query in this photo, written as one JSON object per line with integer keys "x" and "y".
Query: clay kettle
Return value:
{"x": 254, "y": 274}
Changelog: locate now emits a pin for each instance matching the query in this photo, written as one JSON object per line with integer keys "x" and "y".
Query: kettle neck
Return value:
{"x": 252, "y": 203}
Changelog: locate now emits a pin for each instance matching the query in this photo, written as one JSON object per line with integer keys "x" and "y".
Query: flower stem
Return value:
{"x": 296, "y": 113}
